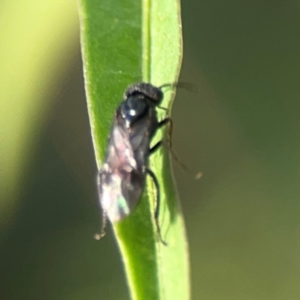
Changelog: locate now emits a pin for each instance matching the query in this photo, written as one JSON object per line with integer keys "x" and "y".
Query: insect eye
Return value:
{"x": 133, "y": 109}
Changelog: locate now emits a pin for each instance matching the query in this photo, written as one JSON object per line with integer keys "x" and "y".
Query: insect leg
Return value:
{"x": 170, "y": 129}
{"x": 156, "y": 212}
{"x": 155, "y": 147}
{"x": 101, "y": 234}
{"x": 161, "y": 124}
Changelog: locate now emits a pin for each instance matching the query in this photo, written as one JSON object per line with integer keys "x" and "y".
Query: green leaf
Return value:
{"x": 124, "y": 42}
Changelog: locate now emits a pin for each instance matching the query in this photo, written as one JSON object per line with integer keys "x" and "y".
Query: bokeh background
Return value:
{"x": 241, "y": 129}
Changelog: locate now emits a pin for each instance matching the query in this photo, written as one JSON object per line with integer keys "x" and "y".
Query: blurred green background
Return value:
{"x": 241, "y": 130}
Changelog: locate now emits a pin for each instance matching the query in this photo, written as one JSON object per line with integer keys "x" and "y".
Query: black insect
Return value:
{"x": 121, "y": 180}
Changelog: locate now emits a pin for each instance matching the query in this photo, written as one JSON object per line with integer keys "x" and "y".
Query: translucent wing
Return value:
{"x": 120, "y": 182}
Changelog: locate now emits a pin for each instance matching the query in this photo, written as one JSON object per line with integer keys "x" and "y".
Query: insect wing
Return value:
{"x": 119, "y": 182}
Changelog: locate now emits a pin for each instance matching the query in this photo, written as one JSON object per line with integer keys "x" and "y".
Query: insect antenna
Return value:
{"x": 191, "y": 87}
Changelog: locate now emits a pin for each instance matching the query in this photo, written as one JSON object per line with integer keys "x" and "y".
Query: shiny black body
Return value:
{"x": 122, "y": 177}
